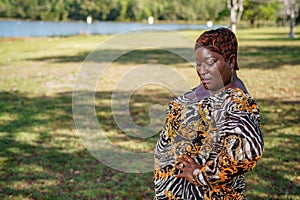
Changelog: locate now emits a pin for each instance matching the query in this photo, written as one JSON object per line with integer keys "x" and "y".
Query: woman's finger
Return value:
{"x": 179, "y": 166}
{"x": 180, "y": 175}
{"x": 187, "y": 158}
{"x": 184, "y": 159}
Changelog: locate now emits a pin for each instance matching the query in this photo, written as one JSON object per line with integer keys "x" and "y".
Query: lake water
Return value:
{"x": 15, "y": 28}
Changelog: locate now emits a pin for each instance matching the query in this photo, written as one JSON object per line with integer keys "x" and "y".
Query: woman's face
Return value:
{"x": 213, "y": 70}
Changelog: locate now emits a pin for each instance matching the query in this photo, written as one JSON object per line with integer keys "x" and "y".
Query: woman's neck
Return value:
{"x": 202, "y": 93}
{"x": 228, "y": 85}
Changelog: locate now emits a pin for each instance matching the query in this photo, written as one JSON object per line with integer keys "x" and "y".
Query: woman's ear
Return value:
{"x": 232, "y": 61}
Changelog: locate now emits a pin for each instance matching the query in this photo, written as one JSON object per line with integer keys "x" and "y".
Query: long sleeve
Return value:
{"x": 221, "y": 133}
{"x": 242, "y": 143}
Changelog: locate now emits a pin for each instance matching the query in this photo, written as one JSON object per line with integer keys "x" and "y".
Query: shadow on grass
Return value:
{"x": 282, "y": 39}
{"x": 143, "y": 56}
{"x": 272, "y": 36}
{"x": 260, "y": 57}
{"x": 268, "y": 57}
{"x": 42, "y": 158}
{"x": 276, "y": 176}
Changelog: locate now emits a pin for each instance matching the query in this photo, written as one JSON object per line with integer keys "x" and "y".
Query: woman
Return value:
{"x": 212, "y": 134}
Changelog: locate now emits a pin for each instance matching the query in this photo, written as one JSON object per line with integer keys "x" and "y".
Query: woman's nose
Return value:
{"x": 202, "y": 69}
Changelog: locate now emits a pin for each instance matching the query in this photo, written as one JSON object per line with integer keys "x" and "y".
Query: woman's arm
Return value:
{"x": 242, "y": 144}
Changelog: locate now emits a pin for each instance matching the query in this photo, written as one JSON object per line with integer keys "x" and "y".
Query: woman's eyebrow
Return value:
{"x": 206, "y": 58}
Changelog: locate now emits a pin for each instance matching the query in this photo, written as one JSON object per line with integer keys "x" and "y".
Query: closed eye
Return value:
{"x": 212, "y": 62}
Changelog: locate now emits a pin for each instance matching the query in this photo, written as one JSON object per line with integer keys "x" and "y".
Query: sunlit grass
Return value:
{"x": 42, "y": 157}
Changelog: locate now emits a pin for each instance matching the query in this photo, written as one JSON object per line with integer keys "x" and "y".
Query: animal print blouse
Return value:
{"x": 221, "y": 133}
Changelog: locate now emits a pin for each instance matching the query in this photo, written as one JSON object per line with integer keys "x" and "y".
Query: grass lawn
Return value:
{"x": 42, "y": 157}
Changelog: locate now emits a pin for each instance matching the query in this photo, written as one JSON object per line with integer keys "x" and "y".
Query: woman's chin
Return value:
{"x": 207, "y": 86}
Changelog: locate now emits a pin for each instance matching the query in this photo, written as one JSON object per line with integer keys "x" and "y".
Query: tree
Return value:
{"x": 236, "y": 8}
{"x": 265, "y": 10}
{"x": 291, "y": 10}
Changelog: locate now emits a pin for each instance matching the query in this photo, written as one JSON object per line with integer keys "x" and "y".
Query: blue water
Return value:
{"x": 15, "y": 28}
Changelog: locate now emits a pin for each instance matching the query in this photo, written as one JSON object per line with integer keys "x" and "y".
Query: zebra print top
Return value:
{"x": 221, "y": 133}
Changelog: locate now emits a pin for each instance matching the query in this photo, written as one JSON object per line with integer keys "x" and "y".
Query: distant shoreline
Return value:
{"x": 143, "y": 21}
{"x": 24, "y": 28}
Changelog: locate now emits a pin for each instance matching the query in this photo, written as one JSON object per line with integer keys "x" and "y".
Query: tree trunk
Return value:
{"x": 292, "y": 24}
{"x": 291, "y": 11}
{"x": 233, "y": 19}
{"x": 292, "y": 18}
{"x": 236, "y": 9}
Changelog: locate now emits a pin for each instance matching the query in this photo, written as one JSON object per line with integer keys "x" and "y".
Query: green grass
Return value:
{"x": 42, "y": 157}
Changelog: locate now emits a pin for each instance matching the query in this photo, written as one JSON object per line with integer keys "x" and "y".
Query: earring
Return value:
{"x": 232, "y": 76}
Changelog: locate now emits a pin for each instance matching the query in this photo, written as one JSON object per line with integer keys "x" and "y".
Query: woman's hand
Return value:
{"x": 188, "y": 166}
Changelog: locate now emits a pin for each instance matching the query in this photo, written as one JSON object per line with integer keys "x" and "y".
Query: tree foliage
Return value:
{"x": 137, "y": 10}
{"x": 261, "y": 10}
{"x": 112, "y": 10}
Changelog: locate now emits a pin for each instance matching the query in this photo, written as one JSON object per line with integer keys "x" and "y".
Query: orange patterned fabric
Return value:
{"x": 221, "y": 133}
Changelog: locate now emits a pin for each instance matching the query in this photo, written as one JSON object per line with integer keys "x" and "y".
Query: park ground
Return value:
{"x": 42, "y": 156}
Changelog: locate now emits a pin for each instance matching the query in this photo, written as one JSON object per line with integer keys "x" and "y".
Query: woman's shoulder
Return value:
{"x": 241, "y": 101}
{"x": 186, "y": 97}
{"x": 185, "y": 100}
{"x": 195, "y": 94}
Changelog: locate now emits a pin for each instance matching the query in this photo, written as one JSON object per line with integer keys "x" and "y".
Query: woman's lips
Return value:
{"x": 205, "y": 81}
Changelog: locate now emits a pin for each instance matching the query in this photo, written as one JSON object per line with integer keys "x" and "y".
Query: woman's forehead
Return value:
{"x": 206, "y": 53}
